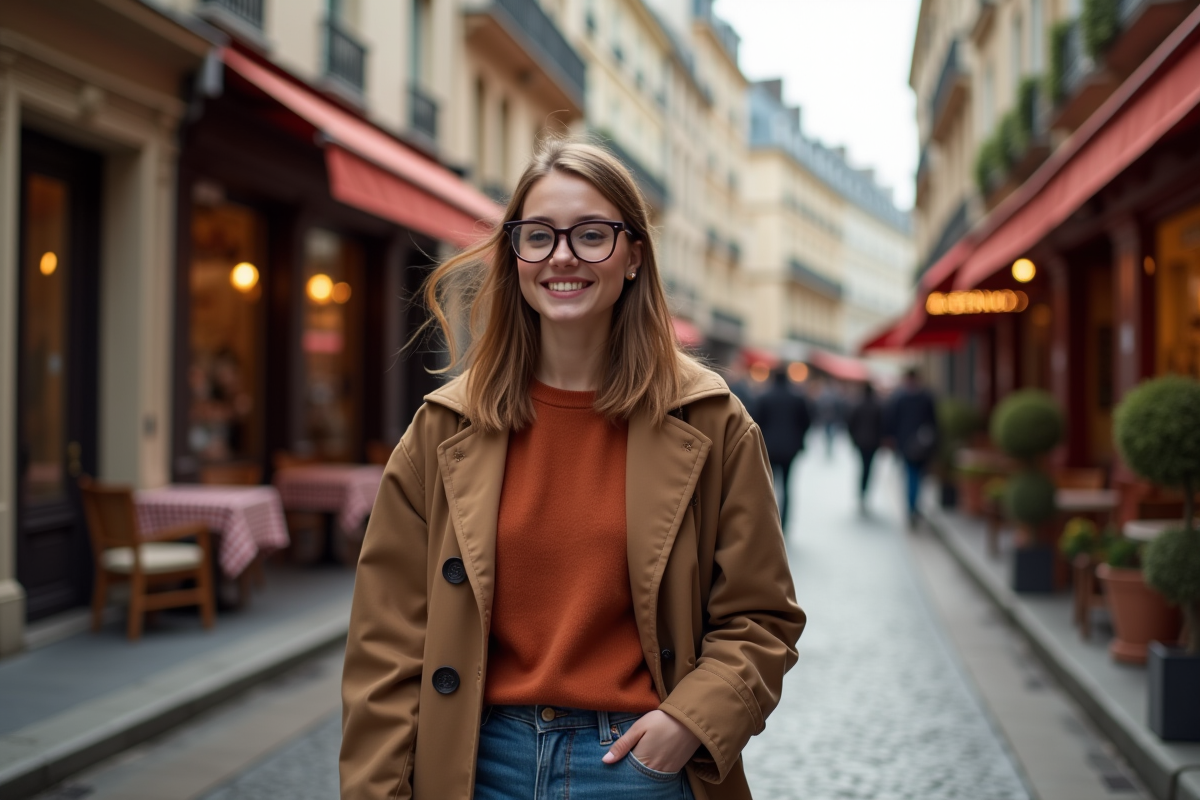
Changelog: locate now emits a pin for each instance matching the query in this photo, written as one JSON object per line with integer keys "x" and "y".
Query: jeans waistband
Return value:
{"x": 567, "y": 718}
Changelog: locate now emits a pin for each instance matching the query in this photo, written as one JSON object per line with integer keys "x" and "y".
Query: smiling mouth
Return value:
{"x": 566, "y": 286}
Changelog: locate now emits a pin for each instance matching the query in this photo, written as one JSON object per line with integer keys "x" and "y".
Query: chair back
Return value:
{"x": 110, "y": 514}
{"x": 282, "y": 459}
{"x": 233, "y": 474}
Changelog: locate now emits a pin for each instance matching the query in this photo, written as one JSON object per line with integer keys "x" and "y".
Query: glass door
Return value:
{"x": 56, "y": 401}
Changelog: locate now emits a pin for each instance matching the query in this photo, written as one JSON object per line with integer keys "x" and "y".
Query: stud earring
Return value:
{"x": 632, "y": 275}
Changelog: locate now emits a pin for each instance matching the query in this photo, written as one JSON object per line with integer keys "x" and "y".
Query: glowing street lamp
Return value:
{"x": 1023, "y": 270}
{"x": 48, "y": 264}
{"x": 320, "y": 288}
{"x": 244, "y": 276}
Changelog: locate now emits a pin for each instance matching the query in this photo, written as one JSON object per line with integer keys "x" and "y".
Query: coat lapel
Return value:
{"x": 472, "y": 466}
{"x": 662, "y": 469}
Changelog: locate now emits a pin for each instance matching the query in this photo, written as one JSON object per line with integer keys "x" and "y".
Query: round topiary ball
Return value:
{"x": 1029, "y": 497}
{"x": 1157, "y": 428}
{"x": 1172, "y": 565}
{"x": 1027, "y": 424}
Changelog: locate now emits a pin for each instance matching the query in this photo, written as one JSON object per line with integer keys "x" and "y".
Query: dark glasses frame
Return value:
{"x": 511, "y": 226}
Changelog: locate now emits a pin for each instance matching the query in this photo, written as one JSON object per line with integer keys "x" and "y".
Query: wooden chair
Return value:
{"x": 121, "y": 555}
{"x": 1087, "y": 593}
{"x": 233, "y": 474}
{"x": 304, "y": 527}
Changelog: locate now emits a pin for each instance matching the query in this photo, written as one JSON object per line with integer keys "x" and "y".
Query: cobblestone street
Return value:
{"x": 880, "y": 705}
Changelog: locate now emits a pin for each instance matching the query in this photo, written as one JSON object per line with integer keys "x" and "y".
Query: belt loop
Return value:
{"x": 606, "y": 736}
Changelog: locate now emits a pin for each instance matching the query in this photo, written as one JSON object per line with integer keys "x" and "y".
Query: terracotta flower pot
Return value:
{"x": 1140, "y": 615}
{"x": 970, "y": 494}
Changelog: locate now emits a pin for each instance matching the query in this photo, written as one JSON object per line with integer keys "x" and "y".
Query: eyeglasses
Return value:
{"x": 590, "y": 241}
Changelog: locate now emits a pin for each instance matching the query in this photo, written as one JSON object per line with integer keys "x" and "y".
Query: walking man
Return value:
{"x": 783, "y": 416}
{"x": 866, "y": 431}
{"x": 912, "y": 425}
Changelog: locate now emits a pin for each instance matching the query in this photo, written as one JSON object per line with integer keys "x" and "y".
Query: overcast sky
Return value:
{"x": 845, "y": 62}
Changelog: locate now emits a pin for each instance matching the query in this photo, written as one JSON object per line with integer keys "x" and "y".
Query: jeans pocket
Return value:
{"x": 487, "y": 714}
{"x": 650, "y": 772}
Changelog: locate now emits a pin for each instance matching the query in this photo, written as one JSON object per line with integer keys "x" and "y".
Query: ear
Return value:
{"x": 635, "y": 256}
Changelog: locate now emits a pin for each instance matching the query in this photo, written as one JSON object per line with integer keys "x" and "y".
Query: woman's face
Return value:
{"x": 561, "y": 288}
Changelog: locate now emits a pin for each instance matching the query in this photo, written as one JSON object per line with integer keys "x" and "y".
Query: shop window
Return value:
{"x": 331, "y": 343}
{"x": 1178, "y": 279}
{"x": 225, "y": 371}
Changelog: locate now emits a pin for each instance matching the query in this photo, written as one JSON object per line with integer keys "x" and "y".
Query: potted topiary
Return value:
{"x": 1139, "y": 614}
{"x": 1027, "y": 425}
{"x": 957, "y": 421}
{"x": 1158, "y": 434}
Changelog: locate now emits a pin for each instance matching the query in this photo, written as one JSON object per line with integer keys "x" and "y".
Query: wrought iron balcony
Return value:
{"x": 422, "y": 112}
{"x": 248, "y": 11}
{"x": 520, "y": 33}
{"x": 951, "y": 93}
{"x": 345, "y": 57}
{"x": 808, "y": 277}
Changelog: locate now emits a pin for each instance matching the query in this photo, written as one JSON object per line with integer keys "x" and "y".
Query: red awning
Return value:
{"x": 371, "y": 170}
{"x": 754, "y": 355}
{"x": 687, "y": 333}
{"x": 1155, "y": 99}
{"x": 916, "y": 328}
{"x": 840, "y": 367}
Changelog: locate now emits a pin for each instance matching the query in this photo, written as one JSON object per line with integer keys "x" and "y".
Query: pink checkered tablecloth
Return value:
{"x": 347, "y": 490}
{"x": 249, "y": 518}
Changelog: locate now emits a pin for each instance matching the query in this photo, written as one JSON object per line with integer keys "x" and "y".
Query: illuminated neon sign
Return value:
{"x": 977, "y": 301}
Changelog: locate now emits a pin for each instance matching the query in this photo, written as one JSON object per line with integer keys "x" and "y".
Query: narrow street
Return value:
{"x": 883, "y": 703}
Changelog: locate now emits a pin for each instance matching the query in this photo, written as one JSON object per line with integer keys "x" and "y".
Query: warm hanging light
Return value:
{"x": 1023, "y": 270}
{"x": 341, "y": 292}
{"x": 49, "y": 263}
{"x": 320, "y": 287}
{"x": 1148, "y": 265}
{"x": 244, "y": 276}
{"x": 798, "y": 371}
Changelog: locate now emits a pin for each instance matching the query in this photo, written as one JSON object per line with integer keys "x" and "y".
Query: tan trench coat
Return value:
{"x": 707, "y": 568}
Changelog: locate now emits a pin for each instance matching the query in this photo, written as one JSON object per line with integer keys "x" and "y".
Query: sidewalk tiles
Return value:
{"x": 78, "y": 701}
{"x": 1113, "y": 694}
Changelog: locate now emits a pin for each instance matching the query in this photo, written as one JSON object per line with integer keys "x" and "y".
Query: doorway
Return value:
{"x": 57, "y": 375}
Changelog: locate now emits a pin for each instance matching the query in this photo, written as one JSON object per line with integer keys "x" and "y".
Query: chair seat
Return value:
{"x": 156, "y": 557}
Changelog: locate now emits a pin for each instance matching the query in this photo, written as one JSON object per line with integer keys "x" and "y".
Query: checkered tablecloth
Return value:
{"x": 249, "y": 518}
{"x": 347, "y": 490}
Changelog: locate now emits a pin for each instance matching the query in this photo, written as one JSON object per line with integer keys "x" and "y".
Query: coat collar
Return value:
{"x": 663, "y": 465}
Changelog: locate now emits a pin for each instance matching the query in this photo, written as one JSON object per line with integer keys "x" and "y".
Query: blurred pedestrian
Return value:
{"x": 829, "y": 404}
{"x": 865, "y": 426}
{"x": 784, "y": 418}
{"x": 518, "y": 606}
{"x": 739, "y": 384}
{"x": 911, "y": 423}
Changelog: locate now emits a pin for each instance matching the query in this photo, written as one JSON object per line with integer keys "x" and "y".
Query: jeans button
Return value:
{"x": 548, "y": 715}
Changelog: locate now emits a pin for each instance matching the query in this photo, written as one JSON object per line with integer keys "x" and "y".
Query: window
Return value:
{"x": 1037, "y": 25}
{"x": 989, "y": 99}
{"x": 421, "y": 48}
{"x": 1018, "y": 53}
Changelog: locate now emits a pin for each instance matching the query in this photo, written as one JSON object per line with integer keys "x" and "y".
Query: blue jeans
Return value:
{"x": 524, "y": 757}
{"x": 914, "y": 472}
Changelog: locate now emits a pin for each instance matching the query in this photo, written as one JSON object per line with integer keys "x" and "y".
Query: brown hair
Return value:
{"x": 643, "y": 371}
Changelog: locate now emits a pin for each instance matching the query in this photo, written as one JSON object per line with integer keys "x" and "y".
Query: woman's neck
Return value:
{"x": 572, "y": 357}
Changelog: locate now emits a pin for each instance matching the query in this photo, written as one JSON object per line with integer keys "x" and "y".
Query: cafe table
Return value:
{"x": 248, "y": 519}
{"x": 346, "y": 491}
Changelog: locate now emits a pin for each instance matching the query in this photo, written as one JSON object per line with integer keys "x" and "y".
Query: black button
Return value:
{"x": 667, "y": 655}
{"x": 453, "y": 570}
{"x": 445, "y": 680}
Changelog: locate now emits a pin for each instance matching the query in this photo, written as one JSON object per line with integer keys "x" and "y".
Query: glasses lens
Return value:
{"x": 593, "y": 242}
{"x": 533, "y": 241}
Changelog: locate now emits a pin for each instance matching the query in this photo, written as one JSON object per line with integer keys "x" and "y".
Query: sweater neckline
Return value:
{"x": 562, "y": 398}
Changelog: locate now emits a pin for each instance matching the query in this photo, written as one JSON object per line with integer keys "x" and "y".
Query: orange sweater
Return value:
{"x": 563, "y": 631}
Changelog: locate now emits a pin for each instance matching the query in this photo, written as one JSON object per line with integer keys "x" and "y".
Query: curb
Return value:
{"x": 1140, "y": 747}
{"x": 227, "y": 677}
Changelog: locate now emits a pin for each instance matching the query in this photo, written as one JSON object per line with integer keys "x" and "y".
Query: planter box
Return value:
{"x": 1033, "y": 569}
{"x": 1173, "y": 678}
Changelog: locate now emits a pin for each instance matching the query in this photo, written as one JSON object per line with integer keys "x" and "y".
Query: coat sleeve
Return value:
{"x": 752, "y": 615}
{"x": 381, "y": 679}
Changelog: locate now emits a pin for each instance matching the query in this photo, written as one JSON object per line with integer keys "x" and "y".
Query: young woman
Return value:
{"x": 574, "y": 582}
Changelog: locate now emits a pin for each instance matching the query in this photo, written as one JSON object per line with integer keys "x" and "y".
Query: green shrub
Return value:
{"x": 1056, "y": 75}
{"x": 1029, "y": 497}
{"x": 1027, "y": 101}
{"x": 1124, "y": 554}
{"x": 957, "y": 419}
{"x": 1013, "y": 139}
{"x": 1172, "y": 566}
{"x": 1027, "y": 424}
{"x": 1100, "y": 20}
{"x": 995, "y": 489}
{"x": 1157, "y": 430}
{"x": 1079, "y": 536}
{"x": 989, "y": 163}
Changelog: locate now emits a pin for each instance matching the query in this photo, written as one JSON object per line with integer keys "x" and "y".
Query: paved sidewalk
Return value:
{"x": 77, "y": 701}
{"x": 1113, "y": 694}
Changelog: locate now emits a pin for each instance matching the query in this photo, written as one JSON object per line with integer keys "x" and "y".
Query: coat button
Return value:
{"x": 687, "y": 446}
{"x": 445, "y": 680}
{"x": 459, "y": 455}
{"x": 454, "y": 571}
{"x": 548, "y": 715}
{"x": 667, "y": 655}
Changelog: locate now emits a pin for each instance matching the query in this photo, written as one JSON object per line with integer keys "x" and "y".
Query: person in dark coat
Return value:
{"x": 784, "y": 418}
{"x": 865, "y": 426}
{"x": 911, "y": 422}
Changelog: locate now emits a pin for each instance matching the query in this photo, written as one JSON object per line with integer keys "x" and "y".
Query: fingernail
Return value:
{"x": 608, "y": 758}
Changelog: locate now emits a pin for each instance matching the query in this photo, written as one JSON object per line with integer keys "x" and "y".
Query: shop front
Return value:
{"x": 305, "y": 234}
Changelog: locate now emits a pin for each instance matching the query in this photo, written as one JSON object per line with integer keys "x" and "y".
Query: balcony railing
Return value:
{"x": 248, "y": 11}
{"x": 422, "y": 112}
{"x": 540, "y": 37}
{"x": 345, "y": 57}
{"x": 951, "y": 84}
{"x": 1076, "y": 63}
{"x": 810, "y": 278}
